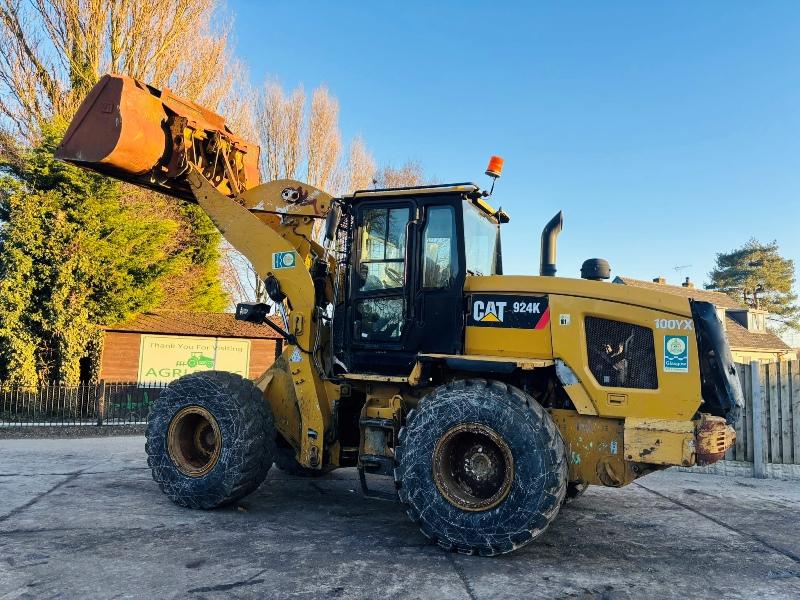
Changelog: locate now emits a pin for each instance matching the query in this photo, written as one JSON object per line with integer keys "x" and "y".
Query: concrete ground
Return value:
{"x": 81, "y": 518}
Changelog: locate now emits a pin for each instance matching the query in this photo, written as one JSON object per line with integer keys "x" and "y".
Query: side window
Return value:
{"x": 383, "y": 249}
{"x": 440, "y": 258}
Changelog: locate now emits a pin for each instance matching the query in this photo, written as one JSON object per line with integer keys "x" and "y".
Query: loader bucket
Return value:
{"x": 139, "y": 134}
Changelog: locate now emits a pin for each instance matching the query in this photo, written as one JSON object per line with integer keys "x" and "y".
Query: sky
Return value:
{"x": 665, "y": 131}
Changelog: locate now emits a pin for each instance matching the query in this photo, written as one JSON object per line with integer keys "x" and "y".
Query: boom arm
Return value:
{"x": 267, "y": 242}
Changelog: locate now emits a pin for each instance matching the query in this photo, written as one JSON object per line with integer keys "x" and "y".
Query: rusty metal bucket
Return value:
{"x": 134, "y": 132}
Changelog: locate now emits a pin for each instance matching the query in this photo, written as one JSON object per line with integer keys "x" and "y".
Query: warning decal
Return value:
{"x": 518, "y": 312}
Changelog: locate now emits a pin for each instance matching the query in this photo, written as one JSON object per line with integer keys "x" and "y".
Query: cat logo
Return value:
{"x": 488, "y": 312}
{"x": 508, "y": 311}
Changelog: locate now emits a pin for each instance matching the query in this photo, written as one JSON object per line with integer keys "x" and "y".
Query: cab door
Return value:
{"x": 438, "y": 309}
{"x": 406, "y": 287}
{"x": 379, "y": 285}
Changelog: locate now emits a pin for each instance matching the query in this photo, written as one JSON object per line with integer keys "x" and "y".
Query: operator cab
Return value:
{"x": 405, "y": 258}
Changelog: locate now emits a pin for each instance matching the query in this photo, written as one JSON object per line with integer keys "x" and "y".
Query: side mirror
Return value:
{"x": 253, "y": 312}
{"x": 332, "y": 222}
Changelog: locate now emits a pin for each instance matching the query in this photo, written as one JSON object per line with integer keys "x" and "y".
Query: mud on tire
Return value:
{"x": 246, "y": 445}
{"x": 539, "y": 479}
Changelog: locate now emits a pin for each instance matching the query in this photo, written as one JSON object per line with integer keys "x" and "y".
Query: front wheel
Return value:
{"x": 210, "y": 439}
{"x": 481, "y": 466}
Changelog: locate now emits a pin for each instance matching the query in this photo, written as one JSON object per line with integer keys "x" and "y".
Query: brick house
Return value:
{"x": 745, "y": 328}
{"x": 163, "y": 345}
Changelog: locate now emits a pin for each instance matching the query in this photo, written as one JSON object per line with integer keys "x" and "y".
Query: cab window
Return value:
{"x": 380, "y": 319}
{"x": 440, "y": 258}
{"x": 480, "y": 242}
{"x": 383, "y": 249}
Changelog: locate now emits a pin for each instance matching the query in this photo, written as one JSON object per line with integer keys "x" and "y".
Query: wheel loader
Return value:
{"x": 489, "y": 399}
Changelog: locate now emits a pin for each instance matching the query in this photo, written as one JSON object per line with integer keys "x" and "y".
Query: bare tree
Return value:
{"x": 237, "y": 105}
{"x": 239, "y": 277}
{"x": 300, "y": 141}
{"x": 324, "y": 141}
{"x": 280, "y": 121}
{"x": 410, "y": 174}
{"x": 54, "y": 51}
{"x": 360, "y": 166}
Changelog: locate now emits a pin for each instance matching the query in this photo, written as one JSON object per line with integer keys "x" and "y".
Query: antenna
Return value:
{"x": 681, "y": 268}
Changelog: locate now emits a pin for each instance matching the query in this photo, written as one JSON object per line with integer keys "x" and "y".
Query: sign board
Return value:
{"x": 676, "y": 353}
{"x": 284, "y": 260}
{"x": 163, "y": 358}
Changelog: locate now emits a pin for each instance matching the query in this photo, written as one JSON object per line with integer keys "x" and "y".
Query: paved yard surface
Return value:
{"x": 81, "y": 518}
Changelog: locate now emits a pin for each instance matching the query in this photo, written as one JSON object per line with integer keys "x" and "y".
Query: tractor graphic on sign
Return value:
{"x": 199, "y": 359}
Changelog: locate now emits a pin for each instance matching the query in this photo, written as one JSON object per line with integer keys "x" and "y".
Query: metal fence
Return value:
{"x": 769, "y": 430}
{"x": 89, "y": 404}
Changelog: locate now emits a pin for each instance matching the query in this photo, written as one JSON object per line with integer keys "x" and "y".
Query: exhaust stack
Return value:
{"x": 547, "y": 260}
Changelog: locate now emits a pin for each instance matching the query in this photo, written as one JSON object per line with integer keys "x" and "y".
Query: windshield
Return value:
{"x": 480, "y": 241}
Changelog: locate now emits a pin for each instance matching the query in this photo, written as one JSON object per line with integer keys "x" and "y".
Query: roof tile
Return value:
{"x": 740, "y": 337}
{"x": 716, "y": 298}
{"x": 175, "y": 322}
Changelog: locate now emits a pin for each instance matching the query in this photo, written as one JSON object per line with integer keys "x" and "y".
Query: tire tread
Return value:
{"x": 556, "y": 485}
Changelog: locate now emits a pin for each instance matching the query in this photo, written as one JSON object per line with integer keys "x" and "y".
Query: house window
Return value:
{"x": 757, "y": 321}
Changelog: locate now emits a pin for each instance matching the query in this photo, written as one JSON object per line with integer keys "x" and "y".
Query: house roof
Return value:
{"x": 739, "y": 337}
{"x": 717, "y": 298}
{"x": 177, "y": 322}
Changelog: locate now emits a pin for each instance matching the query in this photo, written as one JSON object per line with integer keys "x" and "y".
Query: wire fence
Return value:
{"x": 58, "y": 404}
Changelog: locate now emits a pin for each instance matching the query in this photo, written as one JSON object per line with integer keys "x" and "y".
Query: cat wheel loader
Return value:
{"x": 490, "y": 399}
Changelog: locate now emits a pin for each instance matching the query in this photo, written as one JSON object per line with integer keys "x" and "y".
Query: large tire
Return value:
{"x": 210, "y": 439}
{"x": 532, "y": 465}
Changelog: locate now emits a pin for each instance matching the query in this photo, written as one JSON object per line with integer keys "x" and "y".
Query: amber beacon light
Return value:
{"x": 495, "y": 168}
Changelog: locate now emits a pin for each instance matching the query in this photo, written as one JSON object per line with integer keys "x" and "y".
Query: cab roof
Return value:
{"x": 469, "y": 190}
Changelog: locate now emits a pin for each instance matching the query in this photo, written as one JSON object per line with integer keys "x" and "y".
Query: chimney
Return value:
{"x": 659, "y": 280}
{"x": 688, "y": 283}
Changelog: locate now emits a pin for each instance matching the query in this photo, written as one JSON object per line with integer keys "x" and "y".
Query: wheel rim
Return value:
{"x": 473, "y": 467}
{"x": 194, "y": 441}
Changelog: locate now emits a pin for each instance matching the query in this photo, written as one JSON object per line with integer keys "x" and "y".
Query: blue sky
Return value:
{"x": 666, "y": 131}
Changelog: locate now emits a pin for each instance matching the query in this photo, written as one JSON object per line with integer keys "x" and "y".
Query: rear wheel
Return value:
{"x": 210, "y": 439}
{"x": 481, "y": 466}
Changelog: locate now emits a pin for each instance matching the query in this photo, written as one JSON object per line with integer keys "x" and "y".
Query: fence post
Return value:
{"x": 101, "y": 402}
{"x": 759, "y": 466}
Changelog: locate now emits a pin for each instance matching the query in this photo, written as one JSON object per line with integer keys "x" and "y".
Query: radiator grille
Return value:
{"x": 621, "y": 354}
